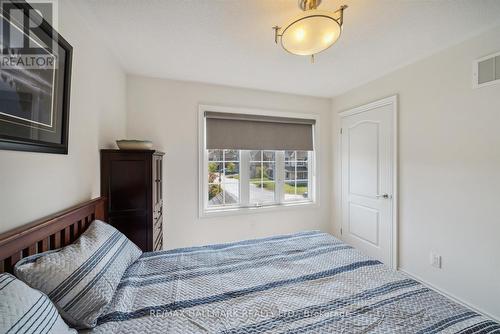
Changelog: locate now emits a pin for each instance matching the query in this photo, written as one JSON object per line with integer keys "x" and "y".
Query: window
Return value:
{"x": 223, "y": 178}
{"x": 296, "y": 175}
{"x": 258, "y": 176}
{"x": 234, "y": 179}
{"x": 262, "y": 187}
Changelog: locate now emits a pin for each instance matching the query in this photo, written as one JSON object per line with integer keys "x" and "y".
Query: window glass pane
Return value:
{"x": 231, "y": 169}
{"x": 215, "y": 172}
{"x": 301, "y": 175}
{"x": 255, "y": 171}
{"x": 296, "y": 191}
{"x": 223, "y": 194}
{"x": 231, "y": 193}
{"x": 214, "y": 155}
{"x": 255, "y": 155}
{"x": 301, "y": 155}
{"x": 223, "y": 177}
{"x": 289, "y": 155}
{"x": 214, "y": 178}
{"x": 215, "y": 196}
{"x": 262, "y": 174}
{"x": 268, "y": 171}
{"x": 269, "y": 156}
{"x": 289, "y": 172}
{"x": 262, "y": 192}
{"x": 301, "y": 171}
{"x": 296, "y": 176}
{"x": 231, "y": 155}
{"x": 255, "y": 192}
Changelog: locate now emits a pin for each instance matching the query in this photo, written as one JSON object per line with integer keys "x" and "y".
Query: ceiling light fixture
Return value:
{"x": 311, "y": 32}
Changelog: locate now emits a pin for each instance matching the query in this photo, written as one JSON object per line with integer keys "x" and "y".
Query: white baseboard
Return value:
{"x": 449, "y": 295}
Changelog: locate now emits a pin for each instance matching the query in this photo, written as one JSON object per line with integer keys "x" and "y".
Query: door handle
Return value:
{"x": 386, "y": 196}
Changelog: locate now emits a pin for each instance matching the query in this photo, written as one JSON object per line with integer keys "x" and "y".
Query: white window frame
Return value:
{"x": 313, "y": 196}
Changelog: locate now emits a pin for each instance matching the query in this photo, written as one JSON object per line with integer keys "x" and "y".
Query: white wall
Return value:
{"x": 166, "y": 112}
{"x": 36, "y": 184}
{"x": 449, "y": 158}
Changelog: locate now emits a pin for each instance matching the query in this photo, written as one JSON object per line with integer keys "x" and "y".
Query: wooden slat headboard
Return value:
{"x": 53, "y": 232}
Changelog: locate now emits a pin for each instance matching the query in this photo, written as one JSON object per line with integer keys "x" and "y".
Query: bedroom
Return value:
{"x": 172, "y": 72}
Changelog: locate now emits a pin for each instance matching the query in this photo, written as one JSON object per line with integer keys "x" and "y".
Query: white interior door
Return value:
{"x": 367, "y": 154}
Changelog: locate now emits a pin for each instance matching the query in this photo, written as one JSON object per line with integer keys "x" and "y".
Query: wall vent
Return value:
{"x": 487, "y": 71}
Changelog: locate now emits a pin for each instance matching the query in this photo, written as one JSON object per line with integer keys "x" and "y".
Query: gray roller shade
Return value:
{"x": 256, "y": 132}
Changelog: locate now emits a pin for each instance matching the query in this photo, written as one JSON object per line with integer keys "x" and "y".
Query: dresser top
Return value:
{"x": 132, "y": 151}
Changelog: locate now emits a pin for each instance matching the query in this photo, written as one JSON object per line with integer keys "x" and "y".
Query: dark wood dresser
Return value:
{"x": 131, "y": 180}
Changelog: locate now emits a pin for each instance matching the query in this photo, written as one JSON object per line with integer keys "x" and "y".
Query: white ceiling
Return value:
{"x": 230, "y": 42}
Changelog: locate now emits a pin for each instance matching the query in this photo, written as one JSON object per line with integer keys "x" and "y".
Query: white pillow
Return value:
{"x": 26, "y": 310}
{"x": 81, "y": 278}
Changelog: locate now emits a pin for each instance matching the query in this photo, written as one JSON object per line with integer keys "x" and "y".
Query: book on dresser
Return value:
{"x": 131, "y": 180}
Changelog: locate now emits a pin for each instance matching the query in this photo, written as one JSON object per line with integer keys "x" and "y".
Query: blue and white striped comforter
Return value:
{"x": 302, "y": 283}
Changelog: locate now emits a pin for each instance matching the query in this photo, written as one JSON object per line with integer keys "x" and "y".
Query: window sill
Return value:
{"x": 228, "y": 211}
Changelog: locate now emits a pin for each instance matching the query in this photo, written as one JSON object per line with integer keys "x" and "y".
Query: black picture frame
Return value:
{"x": 20, "y": 143}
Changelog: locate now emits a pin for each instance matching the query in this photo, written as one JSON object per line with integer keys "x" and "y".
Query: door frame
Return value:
{"x": 392, "y": 101}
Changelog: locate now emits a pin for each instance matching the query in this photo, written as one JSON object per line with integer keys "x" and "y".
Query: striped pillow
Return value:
{"x": 81, "y": 278}
{"x": 26, "y": 310}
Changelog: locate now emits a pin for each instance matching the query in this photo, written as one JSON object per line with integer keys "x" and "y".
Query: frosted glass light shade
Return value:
{"x": 310, "y": 33}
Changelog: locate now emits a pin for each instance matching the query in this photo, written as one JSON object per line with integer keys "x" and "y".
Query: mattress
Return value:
{"x": 308, "y": 282}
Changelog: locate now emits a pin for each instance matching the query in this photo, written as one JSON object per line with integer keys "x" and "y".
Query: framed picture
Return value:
{"x": 35, "y": 75}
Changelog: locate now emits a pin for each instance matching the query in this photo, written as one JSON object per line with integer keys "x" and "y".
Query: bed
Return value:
{"x": 309, "y": 282}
